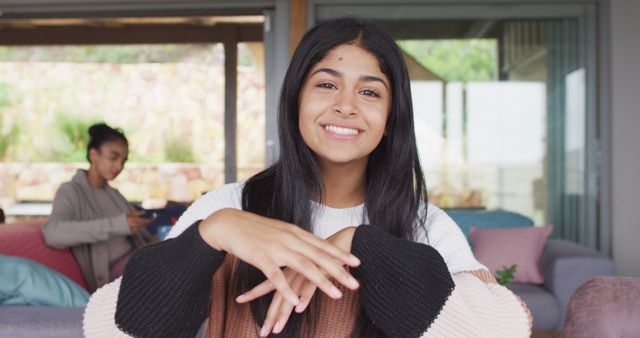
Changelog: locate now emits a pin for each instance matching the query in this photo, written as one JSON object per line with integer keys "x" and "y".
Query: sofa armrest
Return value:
{"x": 566, "y": 265}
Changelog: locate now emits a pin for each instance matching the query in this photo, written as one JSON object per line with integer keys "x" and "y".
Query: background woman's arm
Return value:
{"x": 62, "y": 228}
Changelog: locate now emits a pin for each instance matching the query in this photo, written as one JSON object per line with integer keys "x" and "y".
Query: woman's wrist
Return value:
{"x": 343, "y": 238}
{"x": 210, "y": 228}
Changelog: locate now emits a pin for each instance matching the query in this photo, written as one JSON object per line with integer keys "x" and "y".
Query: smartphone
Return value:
{"x": 149, "y": 214}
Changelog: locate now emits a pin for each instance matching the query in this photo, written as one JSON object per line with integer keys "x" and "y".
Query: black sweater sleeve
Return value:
{"x": 166, "y": 287}
{"x": 404, "y": 284}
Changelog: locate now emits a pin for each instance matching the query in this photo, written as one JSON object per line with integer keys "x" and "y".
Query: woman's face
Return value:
{"x": 344, "y": 104}
{"x": 109, "y": 160}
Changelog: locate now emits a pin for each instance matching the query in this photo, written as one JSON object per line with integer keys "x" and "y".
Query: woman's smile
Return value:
{"x": 342, "y": 132}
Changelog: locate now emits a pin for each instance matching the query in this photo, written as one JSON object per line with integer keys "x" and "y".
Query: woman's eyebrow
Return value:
{"x": 370, "y": 78}
{"x": 363, "y": 78}
{"x": 329, "y": 71}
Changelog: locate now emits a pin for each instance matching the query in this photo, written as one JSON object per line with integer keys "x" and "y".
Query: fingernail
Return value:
{"x": 278, "y": 327}
{"x": 355, "y": 260}
{"x": 335, "y": 293}
{"x": 264, "y": 332}
{"x": 353, "y": 283}
{"x": 240, "y": 298}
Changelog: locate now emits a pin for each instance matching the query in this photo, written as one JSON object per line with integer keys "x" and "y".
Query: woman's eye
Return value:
{"x": 369, "y": 92}
{"x": 327, "y": 85}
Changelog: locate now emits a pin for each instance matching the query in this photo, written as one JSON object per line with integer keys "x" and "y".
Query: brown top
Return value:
{"x": 229, "y": 319}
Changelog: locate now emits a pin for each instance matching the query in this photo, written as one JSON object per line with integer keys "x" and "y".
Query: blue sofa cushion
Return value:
{"x": 487, "y": 219}
{"x": 25, "y": 282}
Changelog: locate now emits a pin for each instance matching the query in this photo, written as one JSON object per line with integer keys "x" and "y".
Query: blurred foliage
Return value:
{"x": 114, "y": 54}
{"x": 75, "y": 131}
{"x": 8, "y": 138}
{"x": 245, "y": 59}
{"x": 178, "y": 149}
{"x": 456, "y": 60}
{"x": 504, "y": 276}
{"x": 5, "y": 94}
{"x": 9, "y": 132}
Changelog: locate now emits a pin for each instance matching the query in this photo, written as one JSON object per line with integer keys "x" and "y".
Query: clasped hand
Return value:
{"x": 136, "y": 221}
{"x": 270, "y": 245}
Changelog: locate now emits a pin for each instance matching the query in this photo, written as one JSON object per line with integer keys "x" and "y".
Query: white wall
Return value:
{"x": 625, "y": 137}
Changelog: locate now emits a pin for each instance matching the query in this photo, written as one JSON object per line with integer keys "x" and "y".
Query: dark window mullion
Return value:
{"x": 230, "y": 107}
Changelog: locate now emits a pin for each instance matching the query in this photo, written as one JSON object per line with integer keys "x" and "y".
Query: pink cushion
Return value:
{"x": 498, "y": 248}
{"x": 25, "y": 240}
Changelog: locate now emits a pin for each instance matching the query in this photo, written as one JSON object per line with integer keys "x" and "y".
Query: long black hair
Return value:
{"x": 395, "y": 185}
{"x": 100, "y": 133}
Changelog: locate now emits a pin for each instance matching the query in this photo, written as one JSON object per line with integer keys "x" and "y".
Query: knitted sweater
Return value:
{"x": 433, "y": 287}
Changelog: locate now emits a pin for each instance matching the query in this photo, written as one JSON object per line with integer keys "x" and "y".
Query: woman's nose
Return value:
{"x": 345, "y": 104}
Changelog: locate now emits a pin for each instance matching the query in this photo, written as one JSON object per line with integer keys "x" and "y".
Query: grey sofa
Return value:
{"x": 40, "y": 321}
{"x": 565, "y": 266}
{"x": 45, "y": 322}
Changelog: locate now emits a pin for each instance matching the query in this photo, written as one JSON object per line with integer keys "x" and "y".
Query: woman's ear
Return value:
{"x": 93, "y": 155}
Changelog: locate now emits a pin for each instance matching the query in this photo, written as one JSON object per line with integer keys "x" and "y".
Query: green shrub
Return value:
{"x": 6, "y": 140}
{"x": 178, "y": 149}
{"x": 10, "y": 136}
{"x": 5, "y": 94}
{"x": 75, "y": 132}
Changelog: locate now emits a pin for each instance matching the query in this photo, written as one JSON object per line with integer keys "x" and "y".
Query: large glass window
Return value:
{"x": 168, "y": 98}
{"x": 251, "y": 109}
{"x": 482, "y": 140}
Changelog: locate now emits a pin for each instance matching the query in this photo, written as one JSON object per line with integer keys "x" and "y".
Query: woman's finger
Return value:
{"x": 308, "y": 290}
{"x": 276, "y": 276}
{"x": 338, "y": 272}
{"x": 285, "y": 308}
{"x": 282, "y": 255}
{"x": 272, "y": 313}
{"x": 272, "y": 322}
{"x": 331, "y": 267}
{"x": 328, "y": 264}
{"x": 335, "y": 251}
{"x": 257, "y": 292}
{"x": 308, "y": 268}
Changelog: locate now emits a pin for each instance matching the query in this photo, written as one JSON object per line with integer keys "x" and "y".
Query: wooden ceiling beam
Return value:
{"x": 128, "y": 34}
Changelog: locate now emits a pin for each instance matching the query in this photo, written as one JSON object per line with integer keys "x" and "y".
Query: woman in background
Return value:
{"x": 94, "y": 219}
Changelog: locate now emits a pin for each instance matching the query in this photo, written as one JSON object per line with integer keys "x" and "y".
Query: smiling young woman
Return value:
{"x": 283, "y": 252}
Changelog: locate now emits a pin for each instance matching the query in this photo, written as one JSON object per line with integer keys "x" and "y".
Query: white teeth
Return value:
{"x": 340, "y": 130}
